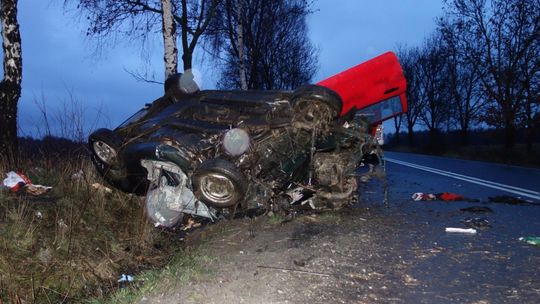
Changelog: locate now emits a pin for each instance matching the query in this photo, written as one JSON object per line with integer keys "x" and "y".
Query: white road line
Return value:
{"x": 464, "y": 176}
{"x": 515, "y": 190}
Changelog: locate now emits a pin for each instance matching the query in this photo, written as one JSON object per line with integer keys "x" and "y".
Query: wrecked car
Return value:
{"x": 213, "y": 153}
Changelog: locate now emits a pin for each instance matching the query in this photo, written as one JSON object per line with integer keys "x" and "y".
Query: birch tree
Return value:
{"x": 138, "y": 19}
{"x": 169, "y": 39}
{"x": 10, "y": 86}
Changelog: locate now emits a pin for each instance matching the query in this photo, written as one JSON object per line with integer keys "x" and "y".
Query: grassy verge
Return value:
{"x": 73, "y": 243}
{"x": 183, "y": 268}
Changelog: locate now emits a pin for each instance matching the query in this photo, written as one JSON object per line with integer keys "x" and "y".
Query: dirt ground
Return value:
{"x": 319, "y": 258}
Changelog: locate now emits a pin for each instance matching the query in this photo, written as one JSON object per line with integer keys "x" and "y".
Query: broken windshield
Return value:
{"x": 382, "y": 110}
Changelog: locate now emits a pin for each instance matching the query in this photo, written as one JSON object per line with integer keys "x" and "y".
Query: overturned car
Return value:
{"x": 214, "y": 153}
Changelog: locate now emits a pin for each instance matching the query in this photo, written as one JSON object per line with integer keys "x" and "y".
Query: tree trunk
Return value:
{"x": 397, "y": 125}
{"x": 187, "y": 56}
{"x": 464, "y": 134}
{"x": 169, "y": 39}
{"x": 510, "y": 136}
{"x": 410, "y": 135}
{"x": 240, "y": 32}
{"x": 10, "y": 86}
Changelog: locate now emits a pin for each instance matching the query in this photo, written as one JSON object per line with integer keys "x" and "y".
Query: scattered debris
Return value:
{"x": 78, "y": 175}
{"x": 531, "y": 240}
{"x": 37, "y": 190}
{"x": 409, "y": 280}
{"x": 191, "y": 224}
{"x": 476, "y": 222}
{"x": 506, "y": 199}
{"x": 461, "y": 230}
{"x": 39, "y": 215}
{"x": 62, "y": 224}
{"x": 16, "y": 181}
{"x": 419, "y": 196}
{"x": 125, "y": 278}
{"x": 100, "y": 187}
{"x": 444, "y": 196}
{"x": 447, "y": 197}
{"x": 477, "y": 209}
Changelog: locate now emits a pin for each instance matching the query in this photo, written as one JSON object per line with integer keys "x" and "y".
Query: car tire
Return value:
{"x": 104, "y": 146}
{"x": 218, "y": 183}
{"x": 315, "y": 105}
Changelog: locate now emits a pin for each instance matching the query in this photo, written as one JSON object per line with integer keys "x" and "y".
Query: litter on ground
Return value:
{"x": 17, "y": 181}
{"x": 531, "y": 240}
{"x": 476, "y": 222}
{"x": 460, "y": 230}
{"x": 477, "y": 209}
{"x": 444, "y": 196}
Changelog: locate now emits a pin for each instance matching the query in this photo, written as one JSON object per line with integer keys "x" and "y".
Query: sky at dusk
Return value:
{"x": 60, "y": 64}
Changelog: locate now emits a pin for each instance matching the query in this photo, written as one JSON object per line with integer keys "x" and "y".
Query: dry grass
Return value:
{"x": 73, "y": 242}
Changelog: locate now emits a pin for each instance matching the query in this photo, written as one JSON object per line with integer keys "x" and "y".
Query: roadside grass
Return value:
{"x": 183, "y": 268}
{"x": 74, "y": 242}
{"x": 189, "y": 264}
{"x": 276, "y": 218}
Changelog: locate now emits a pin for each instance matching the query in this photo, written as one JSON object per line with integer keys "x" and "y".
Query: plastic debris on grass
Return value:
{"x": 101, "y": 187}
{"x": 17, "y": 181}
{"x": 125, "y": 278}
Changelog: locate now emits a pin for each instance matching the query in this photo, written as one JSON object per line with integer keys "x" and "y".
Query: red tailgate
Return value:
{"x": 368, "y": 83}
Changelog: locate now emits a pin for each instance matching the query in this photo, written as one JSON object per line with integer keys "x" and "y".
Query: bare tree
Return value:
{"x": 409, "y": 59}
{"x": 266, "y": 41}
{"x": 10, "y": 86}
{"x": 138, "y": 19}
{"x": 398, "y": 121}
{"x": 433, "y": 90}
{"x": 464, "y": 88}
{"x": 169, "y": 38}
{"x": 500, "y": 34}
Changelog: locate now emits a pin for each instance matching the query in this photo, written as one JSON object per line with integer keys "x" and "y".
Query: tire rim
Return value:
{"x": 217, "y": 188}
{"x": 104, "y": 152}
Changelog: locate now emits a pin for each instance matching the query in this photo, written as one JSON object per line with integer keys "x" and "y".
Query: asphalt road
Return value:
{"x": 491, "y": 266}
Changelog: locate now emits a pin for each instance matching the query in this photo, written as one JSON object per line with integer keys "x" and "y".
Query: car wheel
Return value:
{"x": 104, "y": 146}
{"x": 219, "y": 183}
{"x": 315, "y": 106}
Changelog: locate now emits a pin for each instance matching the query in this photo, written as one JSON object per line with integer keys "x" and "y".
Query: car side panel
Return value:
{"x": 370, "y": 82}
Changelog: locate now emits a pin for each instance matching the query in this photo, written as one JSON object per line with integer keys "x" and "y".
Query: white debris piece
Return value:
{"x": 12, "y": 179}
{"x": 125, "y": 278}
{"x": 461, "y": 230}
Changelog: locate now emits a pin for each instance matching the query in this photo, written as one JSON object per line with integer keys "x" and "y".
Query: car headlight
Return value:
{"x": 236, "y": 142}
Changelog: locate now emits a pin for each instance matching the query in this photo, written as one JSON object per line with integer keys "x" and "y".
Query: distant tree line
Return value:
{"x": 480, "y": 68}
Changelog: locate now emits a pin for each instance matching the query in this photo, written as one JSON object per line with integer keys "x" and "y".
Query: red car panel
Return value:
{"x": 368, "y": 83}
